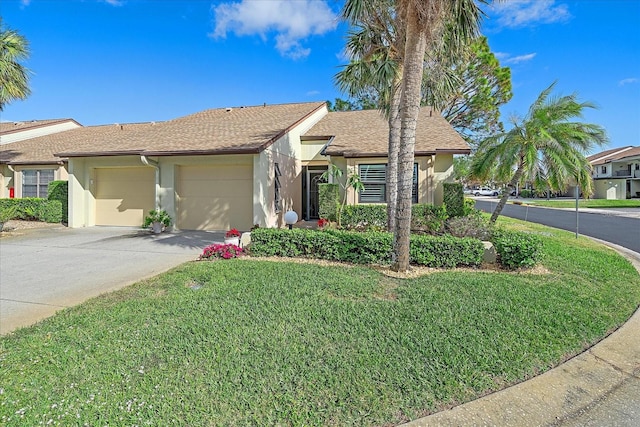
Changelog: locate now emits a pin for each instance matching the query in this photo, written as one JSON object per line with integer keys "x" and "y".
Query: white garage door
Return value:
{"x": 124, "y": 195}
{"x": 215, "y": 197}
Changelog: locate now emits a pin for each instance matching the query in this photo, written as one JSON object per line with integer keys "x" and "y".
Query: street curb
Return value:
{"x": 562, "y": 392}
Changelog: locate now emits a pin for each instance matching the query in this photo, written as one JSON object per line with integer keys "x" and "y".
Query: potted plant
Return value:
{"x": 159, "y": 220}
{"x": 232, "y": 237}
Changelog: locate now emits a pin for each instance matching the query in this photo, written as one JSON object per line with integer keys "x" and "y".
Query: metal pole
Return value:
{"x": 577, "y": 191}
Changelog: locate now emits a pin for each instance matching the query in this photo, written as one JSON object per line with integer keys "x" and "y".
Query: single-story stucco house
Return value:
{"x": 616, "y": 173}
{"x": 231, "y": 167}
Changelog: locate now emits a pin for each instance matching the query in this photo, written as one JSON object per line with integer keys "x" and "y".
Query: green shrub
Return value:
{"x": 453, "y": 198}
{"x": 516, "y": 249}
{"x": 35, "y": 209}
{"x": 428, "y": 219}
{"x": 469, "y": 207}
{"x": 59, "y": 190}
{"x": 363, "y": 247}
{"x": 328, "y": 201}
{"x": 7, "y": 213}
{"x": 364, "y": 217}
{"x": 527, "y": 194}
{"x": 472, "y": 225}
{"x": 445, "y": 251}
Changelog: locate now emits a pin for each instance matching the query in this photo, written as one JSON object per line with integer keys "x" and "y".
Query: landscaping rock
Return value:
{"x": 490, "y": 256}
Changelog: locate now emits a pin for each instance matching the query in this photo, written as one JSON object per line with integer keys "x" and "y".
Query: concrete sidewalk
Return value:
{"x": 597, "y": 387}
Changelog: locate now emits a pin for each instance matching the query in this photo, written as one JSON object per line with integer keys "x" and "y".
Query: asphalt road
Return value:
{"x": 621, "y": 408}
{"x": 616, "y": 229}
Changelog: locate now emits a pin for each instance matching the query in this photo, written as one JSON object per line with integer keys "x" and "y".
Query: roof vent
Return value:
{"x": 228, "y": 109}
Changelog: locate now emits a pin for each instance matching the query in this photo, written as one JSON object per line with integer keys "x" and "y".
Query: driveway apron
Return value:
{"x": 46, "y": 270}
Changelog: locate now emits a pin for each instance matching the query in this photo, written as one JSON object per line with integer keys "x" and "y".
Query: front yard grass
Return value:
{"x": 582, "y": 203}
{"x": 248, "y": 342}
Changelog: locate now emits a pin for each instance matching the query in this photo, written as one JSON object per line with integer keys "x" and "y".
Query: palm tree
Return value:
{"x": 546, "y": 148}
{"x": 376, "y": 48}
{"x": 425, "y": 22}
{"x": 14, "y": 77}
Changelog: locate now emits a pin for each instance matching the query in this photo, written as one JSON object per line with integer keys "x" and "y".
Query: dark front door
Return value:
{"x": 315, "y": 178}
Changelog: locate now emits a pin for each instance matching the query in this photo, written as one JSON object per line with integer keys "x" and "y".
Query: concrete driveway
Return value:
{"x": 45, "y": 270}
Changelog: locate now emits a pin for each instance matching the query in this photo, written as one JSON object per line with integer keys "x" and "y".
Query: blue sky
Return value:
{"x": 119, "y": 61}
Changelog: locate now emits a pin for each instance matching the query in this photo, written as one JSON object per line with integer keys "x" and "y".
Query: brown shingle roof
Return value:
{"x": 614, "y": 154}
{"x": 366, "y": 134}
{"x": 12, "y": 127}
{"x": 40, "y": 150}
{"x": 215, "y": 131}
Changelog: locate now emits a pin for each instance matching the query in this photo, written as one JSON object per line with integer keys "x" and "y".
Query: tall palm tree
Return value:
{"x": 425, "y": 23}
{"x": 546, "y": 147}
{"x": 375, "y": 48}
{"x": 377, "y": 56}
{"x": 14, "y": 77}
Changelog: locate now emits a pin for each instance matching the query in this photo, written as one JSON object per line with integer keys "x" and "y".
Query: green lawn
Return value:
{"x": 247, "y": 342}
{"x": 593, "y": 203}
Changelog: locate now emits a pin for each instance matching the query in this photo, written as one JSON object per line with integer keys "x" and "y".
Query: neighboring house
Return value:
{"x": 18, "y": 131}
{"x": 616, "y": 173}
{"x": 233, "y": 167}
{"x": 26, "y": 176}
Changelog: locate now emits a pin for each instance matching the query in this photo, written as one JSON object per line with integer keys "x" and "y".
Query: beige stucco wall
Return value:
{"x": 310, "y": 151}
{"x": 6, "y": 181}
{"x": 442, "y": 172}
{"x": 610, "y": 189}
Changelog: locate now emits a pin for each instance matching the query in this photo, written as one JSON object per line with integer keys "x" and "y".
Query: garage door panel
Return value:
{"x": 215, "y": 197}
{"x": 225, "y": 188}
{"x": 123, "y": 195}
{"x": 209, "y": 173}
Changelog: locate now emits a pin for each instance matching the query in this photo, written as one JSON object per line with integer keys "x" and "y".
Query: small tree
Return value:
{"x": 352, "y": 181}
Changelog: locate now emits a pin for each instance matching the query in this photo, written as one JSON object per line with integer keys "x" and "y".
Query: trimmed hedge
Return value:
{"x": 364, "y": 217}
{"x": 328, "y": 201}
{"x": 35, "y": 209}
{"x": 59, "y": 190}
{"x": 453, "y": 198}
{"x": 516, "y": 249}
{"x": 445, "y": 251}
{"x": 364, "y": 248}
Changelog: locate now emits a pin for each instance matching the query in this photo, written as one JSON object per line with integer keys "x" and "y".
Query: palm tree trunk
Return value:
{"x": 505, "y": 196}
{"x": 415, "y": 47}
{"x": 394, "y": 145}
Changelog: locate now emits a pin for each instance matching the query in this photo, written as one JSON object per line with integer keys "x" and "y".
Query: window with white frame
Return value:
{"x": 374, "y": 178}
{"x": 35, "y": 182}
{"x": 603, "y": 169}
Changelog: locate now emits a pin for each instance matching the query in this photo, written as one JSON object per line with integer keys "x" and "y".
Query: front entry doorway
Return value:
{"x": 311, "y": 177}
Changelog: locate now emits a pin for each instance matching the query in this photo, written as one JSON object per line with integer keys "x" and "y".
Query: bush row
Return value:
{"x": 31, "y": 209}
{"x": 364, "y": 247}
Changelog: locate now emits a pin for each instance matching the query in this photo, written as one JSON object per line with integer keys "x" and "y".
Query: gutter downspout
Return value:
{"x": 154, "y": 164}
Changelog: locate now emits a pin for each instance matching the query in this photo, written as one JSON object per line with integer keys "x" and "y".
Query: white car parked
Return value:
{"x": 486, "y": 191}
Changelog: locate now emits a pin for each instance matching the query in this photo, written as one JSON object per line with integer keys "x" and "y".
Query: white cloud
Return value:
{"x": 313, "y": 93}
{"x": 627, "y": 81}
{"x": 25, "y": 3}
{"x": 114, "y": 2}
{"x": 520, "y": 58}
{"x": 522, "y": 13}
{"x": 291, "y": 21}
